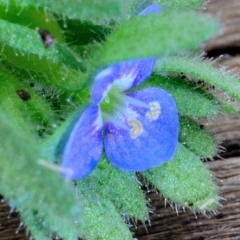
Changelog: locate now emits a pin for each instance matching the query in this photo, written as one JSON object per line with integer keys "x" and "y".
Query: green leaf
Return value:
{"x": 35, "y": 224}
{"x": 82, "y": 32}
{"x": 186, "y": 181}
{"x": 202, "y": 70}
{"x": 166, "y": 4}
{"x": 186, "y": 4}
{"x": 101, "y": 219}
{"x": 29, "y": 184}
{"x": 90, "y": 10}
{"x": 198, "y": 140}
{"x": 110, "y": 183}
{"x": 156, "y": 34}
{"x": 228, "y": 107}
{"x": 21, "y": 103}
{"x": 31, "y": 17}
{"x": 23, "y": 48}
{"x": 61, "y": 80}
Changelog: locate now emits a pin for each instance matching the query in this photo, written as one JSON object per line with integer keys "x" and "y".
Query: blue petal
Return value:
{"x": 83, "y": 149}
{"x": 155, "y": 145}
{"x": 103, "y": 82}
{"x": 143, "y": 67}
{"x": 125, "y": 75}
{"x": 153, "y": 8}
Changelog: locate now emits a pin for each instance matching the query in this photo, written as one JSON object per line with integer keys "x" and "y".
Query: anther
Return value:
{"x": 154, "y": 111}
{"x": 137, "y": 128}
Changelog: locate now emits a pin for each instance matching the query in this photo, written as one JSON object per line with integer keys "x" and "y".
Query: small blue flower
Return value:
{"x": 138, "y": 130}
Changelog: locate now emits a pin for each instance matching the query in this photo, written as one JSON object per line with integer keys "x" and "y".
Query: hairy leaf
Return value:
{"x": 185, "y": 181}
{"x": 186, "y": 4}
{"x": 90, "y": 10}
{"x": 23, "y": 47}
{"x": 101, "y": 219}
{"x": 196, "y": 139}
{"x": 30, "y": 185}
{"x": 202, "y": 70}
{"x": 156, "y": 34}
{"x": 129, "y": 201}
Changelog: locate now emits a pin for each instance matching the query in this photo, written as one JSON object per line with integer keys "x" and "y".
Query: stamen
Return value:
{"x": 154, "y": 112}
{"x": 121, "y": 111}
{"x": 133, "y": 101}
{"x": 137, "y": 128}
{"x": 116, "y": 120}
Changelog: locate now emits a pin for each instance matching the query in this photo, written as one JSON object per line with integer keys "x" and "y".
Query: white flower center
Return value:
{"x": 116, "y": 108}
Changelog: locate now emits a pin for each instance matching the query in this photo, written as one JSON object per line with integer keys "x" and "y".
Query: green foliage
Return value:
{"x": 192, "y": 135}
{"x": 82, "y": 32}
{"x": 33, "y": 187}
{"x": 186, "y": 4}
{"x": 165, "y": 30}
{"x": 89, "y": 10}
{"x": 228, "y": 107}
{"x": 202, "y": 70}
{"x": 19, "y": 41}
{"x": 166, "y": 4}
{"x": 32, "y": 18}
{"x": 31, "y": 112}
{"x": 185, "y": 181}
{"x": 86, "y": 36}
{"x": 35, "y": 224}
{"x": 129, "y": 201}
{"x": 101, "y": 219}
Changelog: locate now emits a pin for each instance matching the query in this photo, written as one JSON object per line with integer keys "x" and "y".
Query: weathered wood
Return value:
{"x": 165, "y": 222}
{"x": 10, "y": 226}
{"x": 229, "y": 15}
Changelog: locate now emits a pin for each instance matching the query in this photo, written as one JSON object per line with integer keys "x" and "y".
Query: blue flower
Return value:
{"x": 137, "y": 130}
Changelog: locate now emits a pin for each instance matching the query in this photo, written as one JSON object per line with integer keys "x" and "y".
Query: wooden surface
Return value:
{"x": 165, "y": 222}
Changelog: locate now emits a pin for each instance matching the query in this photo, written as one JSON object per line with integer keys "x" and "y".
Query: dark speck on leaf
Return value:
{"x": 24, "y": 95}
{"x": 47, "y": 39}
